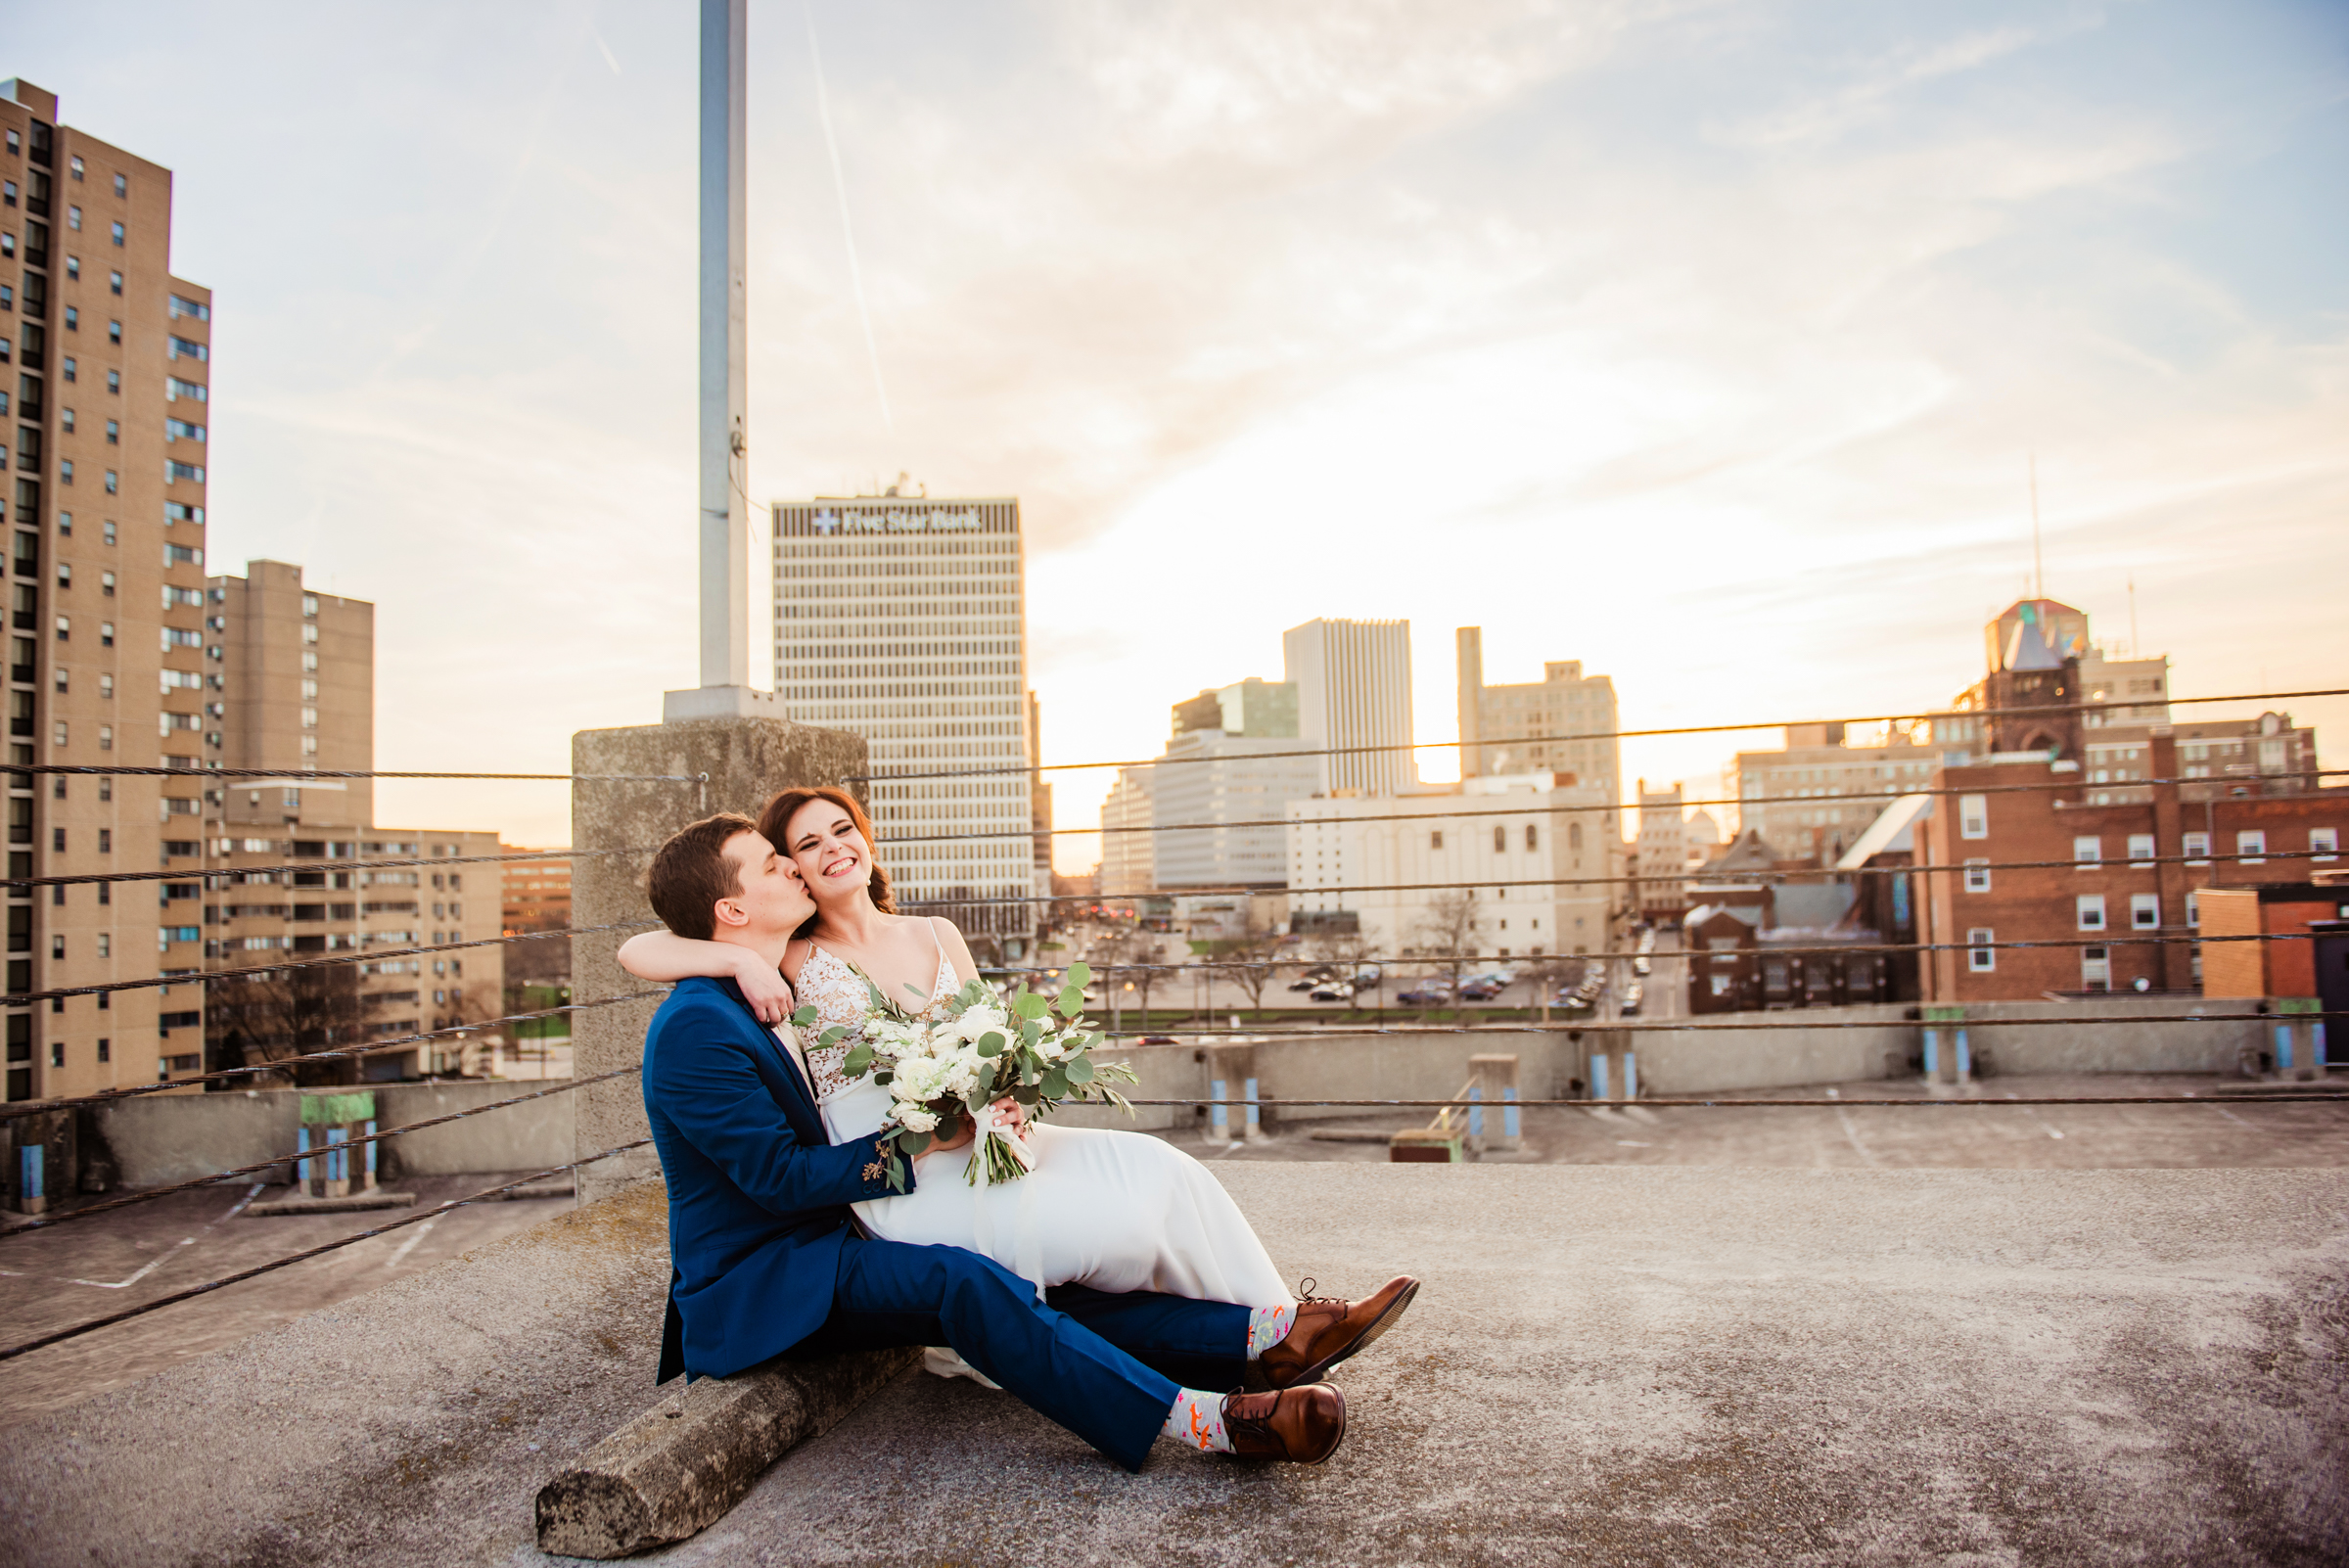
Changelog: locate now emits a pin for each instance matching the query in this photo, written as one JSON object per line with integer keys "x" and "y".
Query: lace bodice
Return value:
{"x": 838, "y": 994}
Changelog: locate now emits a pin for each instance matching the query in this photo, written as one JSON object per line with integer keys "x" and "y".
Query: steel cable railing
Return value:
{"x": 282, "y": 868}
{"x": 1745, "y": 802}
{"x": 150, "y": 1194}
{"x": 1618, "y": 734}
{"x": 124, "y": 1092}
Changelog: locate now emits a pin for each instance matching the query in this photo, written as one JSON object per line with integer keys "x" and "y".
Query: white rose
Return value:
{"x": 979, "y": 1022}
{"x": 918, "y": 1119}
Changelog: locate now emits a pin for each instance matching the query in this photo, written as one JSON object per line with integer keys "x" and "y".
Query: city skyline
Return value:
{"x": 1750, "y": 324}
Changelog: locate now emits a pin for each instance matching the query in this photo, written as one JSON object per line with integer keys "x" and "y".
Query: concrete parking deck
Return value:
{"x": 1617, "y": 1365}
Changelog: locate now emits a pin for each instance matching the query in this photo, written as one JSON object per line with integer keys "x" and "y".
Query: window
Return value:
{"x": 105, "y": 1047}
{"x": 65, "y": 473}
{"x": 175, "y": 388}
{"x": 109, "y": 532}
{"x": 105, "y": 633}
{"x": 2193, "y": 910}
{"x": 2145, "y": 911}
{"x": 1973, "y": 817}
{"x": 309, "y": 603}
{"x": 114, "y": 432}
{"x": 73, "y": 218}
{"x": 2140, "y": 846}
{"x": 65, "y": 573}
{"x": 173, "y": 471}
{"x": 179, "y": 430}
{"x": 1977, "y": 876}
{"x": 73, "y": 319}
{"x": 114, "y": 382}
{"x": 181, "y": 511}
{"x": 121, "y": 185}
{"x": 68, "y": 370}
{"x": 2251, "y": 844}
{"x": 1981, "y": 958}
{"x": 2087, "y": 851}
{"x": 73, "y": 166}
{"x": 114, "y": 332}
{"x": 1500, "y": 841}
{"x": 106, "y": 585}
{"x": 113, "y": 482}
{"x": 117, "y": 234}
{"x": 113, "y": 281}
{"x": 106, "y": 792}
{"x": 180, "y": 305}
{"x": 310, "y": 719}
{"x": 2096, "y": 969}
{"x": 1435, "y": 839}
{"x": 2196, "y": 845}
{"x": 105, "y": 685}
{"x": 2324, "y": 844}
{"x": 178, "y": 347}
{"x": 106, "y": 743}
{"x": 60, "y": 732}
{"x": 59, "y": 674}
{"x": 309, "y": 633}
{"x": 65, "y": 628}
{"x": 2090, "y": 908}
{"x": 73, "y": 268}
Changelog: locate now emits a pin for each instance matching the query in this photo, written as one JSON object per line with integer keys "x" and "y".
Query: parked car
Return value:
{"x": 1426, "y": 993}
{"x": 1320, "y": 974}
{"x": 1367, "y": 975}
{"x": 1629, "y": 1008}
{"x": 1482, "y": 989}
{"x": 1333, "y": 990}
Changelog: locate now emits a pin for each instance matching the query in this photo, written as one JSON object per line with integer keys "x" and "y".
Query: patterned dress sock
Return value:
{"x": 1268, "y": 1326}
{"x": 1197, "y": 1418}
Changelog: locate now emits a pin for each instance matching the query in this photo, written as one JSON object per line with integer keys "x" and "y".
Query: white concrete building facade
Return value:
{"x": 1353, "y": 688}
{"x": 1348, "y": 852}
{"x": 1225, "y": 781}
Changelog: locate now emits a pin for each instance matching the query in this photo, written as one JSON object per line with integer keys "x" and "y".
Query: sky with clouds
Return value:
{"x": 1707, "y": 343}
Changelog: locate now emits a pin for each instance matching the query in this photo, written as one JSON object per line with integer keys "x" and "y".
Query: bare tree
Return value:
{"x": 249, "y": 1020}
{"x": 1447, "y": 934}
{"x": 1546, "y": 975}
{"x": 1247, "y": 962}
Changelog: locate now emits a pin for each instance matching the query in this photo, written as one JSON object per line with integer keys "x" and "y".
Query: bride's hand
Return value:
{"x": 764, "y": 989}
{"x": 1011, "y": 1112}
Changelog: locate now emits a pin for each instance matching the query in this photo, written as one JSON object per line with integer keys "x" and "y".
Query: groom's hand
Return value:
{"x": 963, "y": 1133}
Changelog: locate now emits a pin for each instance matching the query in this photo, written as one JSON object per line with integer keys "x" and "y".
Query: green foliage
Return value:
{"x": 804, "y": 1017}
{"x": 1081, "y": 975}
{"x": 990, "y": 1044}
{"x": 1027, "y": 1005}
{"x": 1070, "y": 1003}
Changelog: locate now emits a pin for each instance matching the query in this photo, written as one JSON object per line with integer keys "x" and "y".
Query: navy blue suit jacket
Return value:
{"x": 758, "y": 1198}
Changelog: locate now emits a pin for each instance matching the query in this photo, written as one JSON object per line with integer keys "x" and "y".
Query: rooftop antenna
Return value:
{"x": 2039, "y": 573}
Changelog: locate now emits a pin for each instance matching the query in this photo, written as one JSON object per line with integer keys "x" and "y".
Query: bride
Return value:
{"x": 1116, "y": 1211}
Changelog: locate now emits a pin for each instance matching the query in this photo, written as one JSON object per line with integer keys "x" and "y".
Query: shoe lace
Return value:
{"x": 1257, "y": 1424}
{"x": 1306, "y": 1296}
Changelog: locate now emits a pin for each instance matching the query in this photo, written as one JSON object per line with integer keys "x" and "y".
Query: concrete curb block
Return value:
{"x": 355, "y": 1204}
{"x": 679, "y": 1466}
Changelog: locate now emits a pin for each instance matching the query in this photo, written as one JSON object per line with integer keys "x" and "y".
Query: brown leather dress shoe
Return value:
{"x": 1329, "y": 1330}
{"x": 1302, "y": 1425}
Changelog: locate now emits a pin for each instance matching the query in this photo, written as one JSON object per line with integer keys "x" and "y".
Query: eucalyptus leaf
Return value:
{"x": 1081, "y": 975}
{"x": 1055, "y": 1086}
{"x": 1078, "y": 1071}
{"x": 804, "y": 1017}
{"x": 1026, "y": 1095}
{"x": 1070, "y": 1003}
{"x": 992, "y": 1043}
{"x": 831, "y": 1036}
{"x": 1027, "y": 1005}
{"x": 859, "y": 1059}
{"x": 912, "y": 1143}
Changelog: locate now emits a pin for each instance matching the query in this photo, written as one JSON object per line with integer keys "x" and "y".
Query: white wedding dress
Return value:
{"x": 1116, "y": 1211}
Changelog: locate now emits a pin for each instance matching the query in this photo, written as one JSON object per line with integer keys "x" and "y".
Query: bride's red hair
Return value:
{"x": 776, "y": 819}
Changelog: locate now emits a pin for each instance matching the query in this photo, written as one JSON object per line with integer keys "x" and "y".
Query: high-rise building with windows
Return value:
{"x": 103, "y": 436}
{"x": 1519, "y": 728}
{"x": 903, "y": 619}
{"x": 1354, "y": 690}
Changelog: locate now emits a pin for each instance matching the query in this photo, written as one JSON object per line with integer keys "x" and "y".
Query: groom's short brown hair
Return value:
{"x": 691, "y": 872}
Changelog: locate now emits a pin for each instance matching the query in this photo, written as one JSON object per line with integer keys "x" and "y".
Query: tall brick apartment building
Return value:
{"x": 2127, "y": 872}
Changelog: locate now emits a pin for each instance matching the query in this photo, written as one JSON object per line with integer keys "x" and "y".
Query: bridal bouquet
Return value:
{"x": 1024, "y": 1047}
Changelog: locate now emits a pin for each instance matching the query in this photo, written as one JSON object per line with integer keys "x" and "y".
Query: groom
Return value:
{"x": 766, "y": 1260}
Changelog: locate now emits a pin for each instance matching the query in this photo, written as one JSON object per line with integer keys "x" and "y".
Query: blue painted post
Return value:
{"x": 1630, "y": 1076}
{"x": 302, "y": 1168}
{"x": 1508, "y": 1117}
{"x": 1476, "y": 1111}
{"x": 1932, "y": 1050}
{"x": 1219, "y": 1115}
{"x": 2283, "y": 1048}
{"x": 2318, "y": 1047}
{"x": 1965, "y": 1056}
{"x": 338, "y": 1158}
{"x": 1255, "y": 1121}
{"x": 370, "y": 1148}
{"x": 34, "y": 1168}
{"x": 1599, "y": 1077}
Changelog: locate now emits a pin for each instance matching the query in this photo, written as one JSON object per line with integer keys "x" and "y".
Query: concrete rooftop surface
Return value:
{"x": 1607, "y": 1364}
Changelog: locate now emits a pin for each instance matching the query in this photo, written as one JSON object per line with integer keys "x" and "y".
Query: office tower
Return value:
{"x": 1260, "y": 710}
{"x": 295, "y": 692}
{"x": 1354, "y": 689}
{"x": 901, "y": 619}
{"x": 1511, "y": 730}
{"x": 107, "y": 365}
{"x": 1128, "y": 866}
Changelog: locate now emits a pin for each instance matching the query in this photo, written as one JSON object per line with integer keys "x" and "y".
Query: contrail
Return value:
{"x": 848, "y": 233}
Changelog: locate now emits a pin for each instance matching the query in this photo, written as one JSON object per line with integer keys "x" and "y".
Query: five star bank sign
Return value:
{"x": 895, "y": 519}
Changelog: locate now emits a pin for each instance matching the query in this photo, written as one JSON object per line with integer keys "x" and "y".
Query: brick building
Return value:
{"x": 2126, "y": 873}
